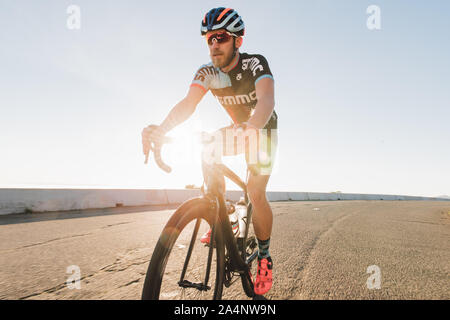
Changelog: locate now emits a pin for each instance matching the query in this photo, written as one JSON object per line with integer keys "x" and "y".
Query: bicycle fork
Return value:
{"x": 183, "y": 283}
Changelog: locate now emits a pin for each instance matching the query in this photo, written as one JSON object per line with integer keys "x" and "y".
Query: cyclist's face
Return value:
{"x": 220, "y": 53}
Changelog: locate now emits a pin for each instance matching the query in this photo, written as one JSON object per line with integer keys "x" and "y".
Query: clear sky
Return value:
{"x": 362, "y": 111}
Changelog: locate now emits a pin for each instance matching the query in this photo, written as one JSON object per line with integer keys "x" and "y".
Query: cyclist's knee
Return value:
{"x": 257, "y": 195}
{"x": 256, "y": 189}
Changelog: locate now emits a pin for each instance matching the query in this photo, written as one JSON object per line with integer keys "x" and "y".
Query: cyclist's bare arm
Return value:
{"x": 183, "y": 109}
{"x": 265, "y": 105}
{"x": 179, "y": 113}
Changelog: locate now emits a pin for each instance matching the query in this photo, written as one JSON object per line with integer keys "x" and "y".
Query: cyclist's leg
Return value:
{"x": 261, "y": 164}
{"x": 262, "y": 212}
{"x": 257, "y": 182}
{"x": 262, "y": 224}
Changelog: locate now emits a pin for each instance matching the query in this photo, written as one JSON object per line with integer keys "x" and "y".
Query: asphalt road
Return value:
{"x": 321, "y": 250}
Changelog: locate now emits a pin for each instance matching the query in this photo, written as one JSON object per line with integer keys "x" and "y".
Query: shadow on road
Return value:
{"x": 75, "y": 214}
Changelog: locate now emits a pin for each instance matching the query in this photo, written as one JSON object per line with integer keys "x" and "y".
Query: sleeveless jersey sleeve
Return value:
{"x": 204, "y": 76}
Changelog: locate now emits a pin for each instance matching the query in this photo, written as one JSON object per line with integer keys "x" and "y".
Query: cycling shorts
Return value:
{"x": 259, "y": 147}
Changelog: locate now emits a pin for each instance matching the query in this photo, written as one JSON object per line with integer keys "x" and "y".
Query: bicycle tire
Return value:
{"x": 247, "y": 279}
{"x": 194, "y": 209}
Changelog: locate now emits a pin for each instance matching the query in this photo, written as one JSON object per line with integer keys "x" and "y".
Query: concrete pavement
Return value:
{"x": 321, "y": 250}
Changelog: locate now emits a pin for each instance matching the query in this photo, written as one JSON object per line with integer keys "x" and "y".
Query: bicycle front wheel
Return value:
{"x": 181, "y": 266}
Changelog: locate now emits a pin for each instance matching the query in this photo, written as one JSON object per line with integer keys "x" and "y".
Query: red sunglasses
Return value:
{"x": 220, "y": 37}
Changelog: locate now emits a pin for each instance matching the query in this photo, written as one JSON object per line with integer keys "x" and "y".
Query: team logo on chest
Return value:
{"x": 253, "y": 64}
{"x": 239, "y": 76}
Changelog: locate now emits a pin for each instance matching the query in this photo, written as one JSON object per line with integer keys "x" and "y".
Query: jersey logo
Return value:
{"x": 204, "y": 72}
{"x": 239, "y": 76}
{"x": 238, "y": 99}
{"x": 253, "y": 64}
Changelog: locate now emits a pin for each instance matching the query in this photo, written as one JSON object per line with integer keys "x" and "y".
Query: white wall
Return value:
{"x": 42, "y": 200}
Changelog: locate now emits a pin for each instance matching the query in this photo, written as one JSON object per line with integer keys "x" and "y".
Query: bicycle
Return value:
{"x": 233, "y": 256}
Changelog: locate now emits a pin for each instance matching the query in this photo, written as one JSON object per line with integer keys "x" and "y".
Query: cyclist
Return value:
{"x": 244, "y": 86}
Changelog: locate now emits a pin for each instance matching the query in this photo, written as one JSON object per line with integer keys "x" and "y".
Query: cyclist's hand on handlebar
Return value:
{"x": 153, "y": 137}
{"x": 152, "y": 134}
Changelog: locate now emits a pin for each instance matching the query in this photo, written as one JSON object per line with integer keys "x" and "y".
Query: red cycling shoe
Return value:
{"x": 263, "y": 281}
{"x": 206, "y": 238}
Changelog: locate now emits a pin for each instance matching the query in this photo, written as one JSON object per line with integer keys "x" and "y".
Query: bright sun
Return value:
{"x": 184, "y": 156}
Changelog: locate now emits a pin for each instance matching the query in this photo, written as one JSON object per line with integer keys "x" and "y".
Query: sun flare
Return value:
{"x": 184, "y": 155}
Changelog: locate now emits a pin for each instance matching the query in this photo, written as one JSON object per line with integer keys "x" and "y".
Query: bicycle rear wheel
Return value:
{"x": 179, "y": 242}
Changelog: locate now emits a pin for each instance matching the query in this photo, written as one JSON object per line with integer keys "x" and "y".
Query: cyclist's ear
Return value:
{"x": 239, "y": 41}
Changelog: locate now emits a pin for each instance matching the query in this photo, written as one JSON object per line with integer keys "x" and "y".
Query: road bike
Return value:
{"x": 181, "y": 267}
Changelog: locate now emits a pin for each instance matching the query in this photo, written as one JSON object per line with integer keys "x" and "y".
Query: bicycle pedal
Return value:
{"x": 188, "y": 284}
{"x": 253, "y": 244}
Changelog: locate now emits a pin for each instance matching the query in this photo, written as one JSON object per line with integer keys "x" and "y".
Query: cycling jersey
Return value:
{"x": 235, "y": 89}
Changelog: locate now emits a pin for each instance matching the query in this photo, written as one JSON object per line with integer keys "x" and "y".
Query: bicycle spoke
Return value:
{"x": 191, "y": 247}
{"x": 195, "y": 263}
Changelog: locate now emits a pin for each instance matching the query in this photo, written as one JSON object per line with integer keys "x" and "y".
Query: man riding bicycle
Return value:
{"x": 244, "y": 86}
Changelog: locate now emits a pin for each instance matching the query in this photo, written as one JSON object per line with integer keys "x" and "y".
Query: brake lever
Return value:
{"x": 157, "y": 153}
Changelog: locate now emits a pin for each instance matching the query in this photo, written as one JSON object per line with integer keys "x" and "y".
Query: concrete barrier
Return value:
{"x": 277, "y": 196}
{"x": 234, "y": 195}
{"x": 297, "y": 196}
{"x": 45, "y": 200}
{"x": 178, "y": 196}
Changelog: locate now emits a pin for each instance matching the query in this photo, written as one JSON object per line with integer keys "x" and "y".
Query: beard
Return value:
{"x": 222, "y": 60}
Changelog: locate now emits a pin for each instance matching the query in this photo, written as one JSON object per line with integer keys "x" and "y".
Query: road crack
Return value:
{"x": 304, "y": 271}
{"x": 49, "y": 241}
{"x": 119, "y": 265}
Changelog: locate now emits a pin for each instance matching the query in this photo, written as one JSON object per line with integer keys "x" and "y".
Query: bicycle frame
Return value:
{"x": 216, "y": 172}
{"x": 238, "y": 261}
{"x": 237, "y": 252}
